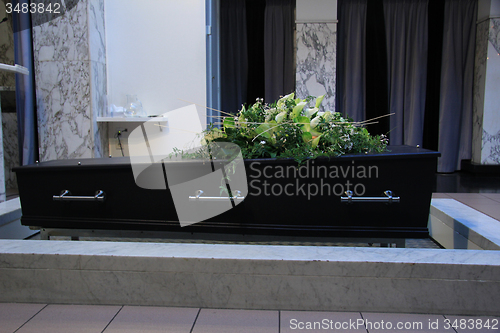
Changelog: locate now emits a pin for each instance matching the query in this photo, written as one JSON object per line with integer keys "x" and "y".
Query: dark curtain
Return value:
{"x": 255, "y": 39}
{"x": 457, "y": 79}
{"x": 428, "y": 73}
{"x": 431, "y": 121}
{"x": 351, "y": 72}
{"x": 406, "y": 34}
{"x": 257, "y": 51}
{"x": 25, "y": 87}
{"x": 376, "y": 69}
{"x": 234, "y": 55}
{"x": 279, "y": 22}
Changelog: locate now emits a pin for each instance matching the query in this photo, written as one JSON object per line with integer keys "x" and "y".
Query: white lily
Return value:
{"x": 315, "y": 122}
{"x": 310, "y": 112}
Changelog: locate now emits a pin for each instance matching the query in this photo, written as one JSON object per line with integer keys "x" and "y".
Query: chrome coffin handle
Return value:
{"x": 388, "y": 199}
{"x": 198, "y": 197}
{"x": 65, "y": 195}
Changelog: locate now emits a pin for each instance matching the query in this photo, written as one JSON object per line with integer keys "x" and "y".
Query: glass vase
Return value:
{"x": 133, "y": 107}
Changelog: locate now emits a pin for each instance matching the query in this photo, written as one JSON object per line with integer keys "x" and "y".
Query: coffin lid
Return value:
{"x": 395, "y": 152}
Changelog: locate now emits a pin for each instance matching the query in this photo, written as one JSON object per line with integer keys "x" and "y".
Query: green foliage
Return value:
{"x": 289, "y": 128}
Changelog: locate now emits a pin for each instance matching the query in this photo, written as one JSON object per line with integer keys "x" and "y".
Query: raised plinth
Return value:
{"x": 463, "y": 282}
{"x": 457, "y": 226}
{"x": 10, "y": 224}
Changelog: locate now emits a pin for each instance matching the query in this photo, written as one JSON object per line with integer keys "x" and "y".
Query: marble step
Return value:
{"x": 399, "y": 280}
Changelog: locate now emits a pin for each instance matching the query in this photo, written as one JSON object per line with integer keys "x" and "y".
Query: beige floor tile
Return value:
{"x": 492, "y": 196}
{"x": 71, "y": 319}
{"x": 400, "y": 322}
{"x": 15, "y": 315}
{"x": 241, "y": 321}
{"x": 463, "y": 324}
{"x": 135, "y": 319}
{"x": 309, "y": 321}
{"x": 472, "y": 198}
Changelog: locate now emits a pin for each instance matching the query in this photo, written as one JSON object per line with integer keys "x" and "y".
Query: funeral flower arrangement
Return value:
{"x": 294, "y": 128}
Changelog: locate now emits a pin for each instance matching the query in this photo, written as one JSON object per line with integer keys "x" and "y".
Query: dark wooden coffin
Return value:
{"x": 283, "y": 199}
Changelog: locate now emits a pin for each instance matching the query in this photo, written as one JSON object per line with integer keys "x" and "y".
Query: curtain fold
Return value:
{"x": 234, "y": 55}
{"x": 410, "y": 58}
{"x": 279, "y": 48}
{"x": 351, "y": 63}
{"x": 406, "y": 35}
{"x": 25, "y": 87}
{"x": 457, "y": 79}
{"x": 376, "y": 103}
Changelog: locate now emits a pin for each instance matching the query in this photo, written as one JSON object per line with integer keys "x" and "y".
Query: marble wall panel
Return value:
{"x": 99, "y": 75}
{"x": 2, "y": 174}
{"x": 64, "y": 113}
{"x": 486, "y": 112}
{"x": 10, "y": 148}
{"x": 482, "y": 31}
{"x": 63, "y": 38}
{"x": 316, "y": 61}
{"x": 97, "y": 37}
{"x": 494, "y": 33}
{"x": 491, "y": 148}
{"x": 53, "y": 10}
{"x": 491, "y": 114}
{"x": 6, "y": 48}
{"x": 71, "y": 84}
{"x": 8, "y": 140}
{"x": 98, "y": 97}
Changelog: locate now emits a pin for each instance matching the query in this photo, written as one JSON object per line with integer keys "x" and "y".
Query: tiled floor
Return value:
{"x": 41, "y": 318}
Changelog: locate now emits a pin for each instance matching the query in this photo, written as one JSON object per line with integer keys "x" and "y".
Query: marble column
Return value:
{"x": 7, "y": 86}
{"x": 316, "y": 24}
{"x": 70, "y": 72}
{"x": 2, "y": 174}
{"x": 7, "y": 79}
{"x": 10, "y": 148}
{"x": 486, "y": 112}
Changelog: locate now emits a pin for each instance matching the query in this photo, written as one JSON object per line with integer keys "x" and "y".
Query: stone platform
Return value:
{"x": 267, "y": 277}
{"x": 465, "y": 282}
{"x": 455, "y": 225}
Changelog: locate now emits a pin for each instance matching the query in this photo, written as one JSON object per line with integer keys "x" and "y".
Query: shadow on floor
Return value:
{"x": 464, "y": 182}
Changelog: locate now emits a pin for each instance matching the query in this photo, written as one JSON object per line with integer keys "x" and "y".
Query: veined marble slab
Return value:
{"x": 2, "y": 168}
{"x": 6, "y": 48}
{"x": 10, "y": 148}
{"x": 486, "y": 118}
{"x": 70, "y": 72}
{"x": 251, "y": 276}
{"x": 316, "y": 61}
